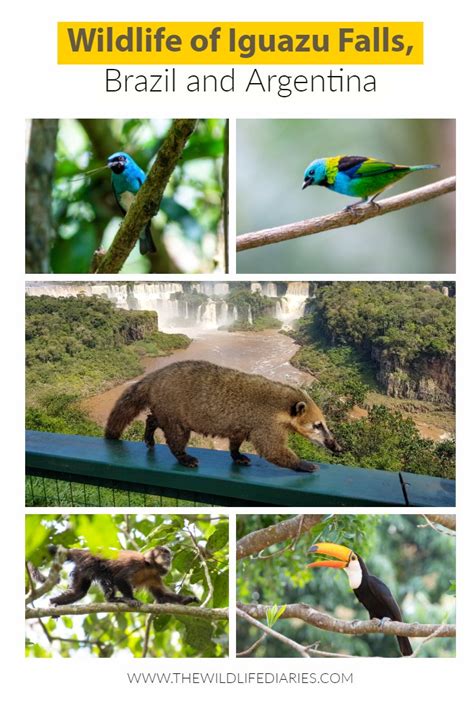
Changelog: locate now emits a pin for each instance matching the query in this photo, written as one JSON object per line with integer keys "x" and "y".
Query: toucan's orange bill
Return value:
{"x": 328, "y": 563}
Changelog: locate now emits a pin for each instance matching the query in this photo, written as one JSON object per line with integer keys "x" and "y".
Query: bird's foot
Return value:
{"x": 383, "y": 621}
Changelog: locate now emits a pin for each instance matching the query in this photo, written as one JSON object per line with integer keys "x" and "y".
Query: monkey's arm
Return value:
{"x": 163, "y": 595}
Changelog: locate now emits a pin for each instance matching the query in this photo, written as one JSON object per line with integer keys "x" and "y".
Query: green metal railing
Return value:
{"x": 67, "y": 470}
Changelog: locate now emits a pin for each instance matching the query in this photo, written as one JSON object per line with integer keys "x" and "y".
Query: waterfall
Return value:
{"x": 174, "y": 308}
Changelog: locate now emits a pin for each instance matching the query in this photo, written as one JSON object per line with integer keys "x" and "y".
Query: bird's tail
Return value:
{"x": 129, "y": 405}
{"x": 147, "y": 246}
{"x": 413, "y": 168}
{"x": 405, "y": 645}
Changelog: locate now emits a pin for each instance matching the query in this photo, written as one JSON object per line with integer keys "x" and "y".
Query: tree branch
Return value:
{"x": 148, "y": 199}
{"x": 305, "y": 651}
{"x": 355, "y": 628}
{"x": 260, "y": 539}
{"x": 101, "y": 607}
{"x": 52, "y": 579}
{"x": 447, "y": 521}
{"x": 345, "y": 217}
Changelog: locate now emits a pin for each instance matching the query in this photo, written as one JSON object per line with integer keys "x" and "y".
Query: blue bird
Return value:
{"x": 127, "y": 178}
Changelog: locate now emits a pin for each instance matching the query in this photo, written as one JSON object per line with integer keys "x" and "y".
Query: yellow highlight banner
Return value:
{"x": 240, "y": 43}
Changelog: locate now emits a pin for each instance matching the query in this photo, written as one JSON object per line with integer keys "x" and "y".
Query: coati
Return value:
{"x": 123, "y": 573}
{"x": 199, "y": 396}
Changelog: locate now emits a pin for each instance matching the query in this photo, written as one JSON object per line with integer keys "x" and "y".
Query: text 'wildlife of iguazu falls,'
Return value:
{"x": 246, "y": 46}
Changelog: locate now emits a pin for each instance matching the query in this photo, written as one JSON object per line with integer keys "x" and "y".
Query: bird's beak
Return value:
{"x": 340, "y": 552}
{"x": 307, "y": 182}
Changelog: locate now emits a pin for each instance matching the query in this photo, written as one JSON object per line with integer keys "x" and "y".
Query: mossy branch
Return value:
{"x": 316, "y": 618}
{"x": 148, "y": 199}
{"x": 345, "y": 218}
{"x": 111, "y": 607}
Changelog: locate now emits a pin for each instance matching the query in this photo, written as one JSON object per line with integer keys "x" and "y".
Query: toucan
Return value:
{"x": 369, "y": 590}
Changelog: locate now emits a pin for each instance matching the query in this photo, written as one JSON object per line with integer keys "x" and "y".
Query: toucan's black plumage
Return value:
{"x": 380, "y": 603}
{"x": 369, "y": 590}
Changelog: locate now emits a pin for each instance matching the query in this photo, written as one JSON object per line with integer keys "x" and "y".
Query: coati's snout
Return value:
{"x": 308, "y": 420}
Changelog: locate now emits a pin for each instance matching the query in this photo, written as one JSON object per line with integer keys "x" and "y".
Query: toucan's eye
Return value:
{"x": 353, "y": 557}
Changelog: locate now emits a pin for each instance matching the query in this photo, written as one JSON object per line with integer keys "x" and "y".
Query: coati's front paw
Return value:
{"x": 307, "y": 466}
{"x": 189, "y": 461}
{"x": 241, "y": 460}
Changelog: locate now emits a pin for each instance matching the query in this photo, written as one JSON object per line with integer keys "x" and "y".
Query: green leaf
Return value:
{"x": 219, "y": 538}
{"x": 221, "y": 590}
{"x": 274, "y": 614}
{"x": 161, "y": 621}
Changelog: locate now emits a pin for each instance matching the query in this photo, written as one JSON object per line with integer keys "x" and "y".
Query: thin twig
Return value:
{"x": 271, "y": 632}
{"x": 344, "y": 218}
{"x": 147, "y": 635}
{"x": 253, "y": 647}
{"x": 437, "y": 527}
{"x": 210, "y": 586}
{"x": 435, "y": 634}
{"x": 52, "y": 579}
{"x": 447, "y": 521}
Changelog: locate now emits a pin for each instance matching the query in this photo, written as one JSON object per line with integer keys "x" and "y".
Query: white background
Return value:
{"x": 34, "y": 86}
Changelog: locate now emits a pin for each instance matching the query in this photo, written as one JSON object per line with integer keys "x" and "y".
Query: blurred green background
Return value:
{"x": 416, "y": 562}
{"x": 70, "y": 215}
{"x": 271, "y": 158}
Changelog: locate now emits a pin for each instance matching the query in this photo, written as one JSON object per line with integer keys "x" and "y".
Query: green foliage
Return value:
{"x": 75, "y": 347}
{"x": 410, "y": 320}
{"x": 85, "y": 211}
{"x": 259, "y": 323}
{"x": 341, "y": 340}
{"x": 122, "y": 635}
{"x": 414, "y": 560}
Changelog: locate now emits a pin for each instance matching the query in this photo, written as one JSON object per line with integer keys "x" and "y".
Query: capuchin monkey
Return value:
{"x": 128, "y": 571}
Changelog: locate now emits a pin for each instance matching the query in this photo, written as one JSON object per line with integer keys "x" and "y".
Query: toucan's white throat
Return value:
{"x": 354, "y": 572}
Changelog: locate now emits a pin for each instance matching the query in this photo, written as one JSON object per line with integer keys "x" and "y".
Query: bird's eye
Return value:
{"x": 311, "y": 172}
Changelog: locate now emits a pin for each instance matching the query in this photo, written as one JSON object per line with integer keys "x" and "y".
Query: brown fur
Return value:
{"x": 218, "y": 401}
{"x": 127, "y": 571}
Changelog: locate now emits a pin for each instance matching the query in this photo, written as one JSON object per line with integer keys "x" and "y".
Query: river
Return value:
{"x": 264, "y": 353}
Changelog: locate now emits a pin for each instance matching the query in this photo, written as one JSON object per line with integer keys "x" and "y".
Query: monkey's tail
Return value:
{"x": 128, "y": 406}
{"x": 405, "y": 645}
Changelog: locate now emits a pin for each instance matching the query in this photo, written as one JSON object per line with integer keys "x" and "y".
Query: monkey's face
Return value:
{"x": 160, "y": 557}
{"x": 308, "y": 420}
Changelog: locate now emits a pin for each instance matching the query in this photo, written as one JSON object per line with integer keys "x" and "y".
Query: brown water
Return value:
{"x": 266, "y": 353}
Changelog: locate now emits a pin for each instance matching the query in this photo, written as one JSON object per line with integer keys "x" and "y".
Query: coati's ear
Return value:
{"x": 298, "y": 409}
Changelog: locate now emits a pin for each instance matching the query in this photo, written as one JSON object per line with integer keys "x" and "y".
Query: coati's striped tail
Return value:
{"x": 133, "y": 401}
